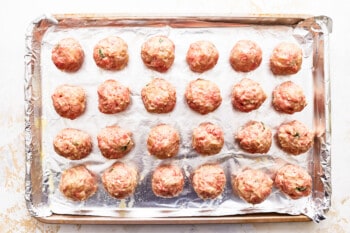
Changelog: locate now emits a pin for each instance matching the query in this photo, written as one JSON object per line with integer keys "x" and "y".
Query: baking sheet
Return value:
{"x": 42, "y": 123}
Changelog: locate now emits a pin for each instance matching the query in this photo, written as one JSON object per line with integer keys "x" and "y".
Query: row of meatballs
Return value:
{"x": 158, "y": 53}
{"x": 208, "y": 181}
{"x": 163, "y": 140}
{"x": 159, "y": 96}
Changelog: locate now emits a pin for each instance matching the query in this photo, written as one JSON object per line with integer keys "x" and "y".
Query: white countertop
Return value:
{"x": 15, "y": 16}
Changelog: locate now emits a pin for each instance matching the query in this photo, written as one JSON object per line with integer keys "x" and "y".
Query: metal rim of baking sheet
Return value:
{"x": 321, "y": 27}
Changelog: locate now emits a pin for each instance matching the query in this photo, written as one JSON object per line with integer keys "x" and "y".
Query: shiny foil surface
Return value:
{"x": 44, "y": 166}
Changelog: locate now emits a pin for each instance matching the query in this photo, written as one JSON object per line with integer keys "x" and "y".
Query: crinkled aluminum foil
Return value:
{"x": 44, "y": 166}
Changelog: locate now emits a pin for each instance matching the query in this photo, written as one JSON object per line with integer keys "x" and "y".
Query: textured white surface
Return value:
{"x": 15, "y": 16}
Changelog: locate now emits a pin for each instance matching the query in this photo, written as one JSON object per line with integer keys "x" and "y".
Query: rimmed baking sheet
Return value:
{"x": 43, "y": 167}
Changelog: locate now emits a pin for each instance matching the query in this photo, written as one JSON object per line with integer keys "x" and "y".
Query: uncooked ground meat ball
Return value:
{"x": 78, "y": 183}
{"x": 209, "y": 181}
{"x": 288, "y": 97}
{"x": 203, "y": 96}
{"x": 294, "y": 181}
{"x": 72, "y": 144}
{"x": 202, "y": 56}
{"x": 69, "y": 101}
{"x": 208, "y": 139}
{"x": 167, "y": 181}
{"x": 68, "y": 55}
{"x": 294, "y": 137}
{"x": 159, "y": 96}
{"x": 114, "y": 142}
{"x": 111, "y": 53}
{"x": 120, "y": 180}
{"x": 286, "y": 59}
{"x": 254, "y": 137}
{"x": 252, "y": 185}
{"x": 247, "y": 95}
{"x": 163, "y": 141}
{"x": 113, "y": 97}
{"x": 245, "y": 56}
{"x": 158, "y": 53}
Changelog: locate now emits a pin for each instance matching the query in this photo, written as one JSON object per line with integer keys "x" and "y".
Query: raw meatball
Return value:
{"x": 253, "y": 186}
{"x": 294, "y": 137}
{"x": 202, "y": 56}
{"x": 208, "y": 139}
{"x": 114, "y": 142}
{"x": 120, "y": 180}
{"x": 247, "y": 95}
{"x": 78, "y": 183}
{"x": 111, "y": 53}
{"x": 286, "y": 59}
{"x": 254, "y": 137}
{"x": 289, "y": 98}
{"x": 203, "y": 96}
{"x": 167, "y": 181}
{"x": 72, "y": 144}
{"x": 158, "y": 53}
{"x": 159, "y": 96}
{"x": 113, "y": 97}
{"x": 245, "y": 56}
{"x": 294, "y": 181}
{"x": 68, "y": 55}
{"x": 163, "y": 141}
{"x": 209, "y": 181}
{"x": 69, "y": 101}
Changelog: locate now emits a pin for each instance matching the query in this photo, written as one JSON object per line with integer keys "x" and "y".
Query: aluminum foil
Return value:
{"x": 44, "y": 166}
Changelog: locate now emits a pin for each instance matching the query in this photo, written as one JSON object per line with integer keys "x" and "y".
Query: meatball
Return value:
{"x": 111, "y": 53}
{"x": 114, "y": 142}
{"x": 159, "y": 96}
{"x": 72, "y": 144}
{"x": 78, "y": 183}
{"x": 163, "y": 141}
{"x": 208, "y": 139}
{"x": 209, "y": 181}
{"x": 286, "y": 59}
{"x": 158, "y": 53}
{"x": 254, "y": 137}
{"x": 247, "y": 95}
{"x": 253, "y": 186}
{"x": 294, "y": 137}
{"x": 113, "y": 97}
{"x": 69, "y": 101}
{"x": 202, "y": 56}
{"x": 203, "y": 96}
{"x": 120, "y": 180}
{"x": 293, "y": 181}
{"x": 245, "y": 56}
{"x": 288, "y": 97}
{"x": 167, "y": 181}
{"x": 68, "y": 55}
